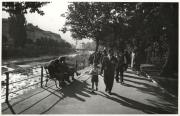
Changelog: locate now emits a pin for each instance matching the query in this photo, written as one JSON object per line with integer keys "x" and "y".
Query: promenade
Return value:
{"x": 139, "y": 95}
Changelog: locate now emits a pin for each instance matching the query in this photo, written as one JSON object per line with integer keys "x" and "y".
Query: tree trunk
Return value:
{"x": 171, "y": 65}
{"x": 18, "y": 30}
{"x": 97, "y": 45}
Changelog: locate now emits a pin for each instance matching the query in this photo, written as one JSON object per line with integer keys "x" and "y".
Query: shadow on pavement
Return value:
{"x": 130, "y": 72}
{"x": 11, "y": 108}
{"x": 76, "y": 90}
{"x": 135, "y": 105}
{"x": 35, "y": 103}
{"x": 79, "y": 90}
{"x": 136, "y": 82}
{"x": 60, "y": 98}
{"x": 135, "y": 77}
{"x": 149, "y": 89}
{"x": 23, "y": 99}
{"x": 171, "y": 85}
{"x": 156, "y": 91}
{"x": 168, "y": 82}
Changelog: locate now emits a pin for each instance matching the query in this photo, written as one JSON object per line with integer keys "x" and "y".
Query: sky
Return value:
{"x": 52, "y": 20}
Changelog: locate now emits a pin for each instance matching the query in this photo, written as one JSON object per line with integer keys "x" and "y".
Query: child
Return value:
{"x": 94, "y": 79}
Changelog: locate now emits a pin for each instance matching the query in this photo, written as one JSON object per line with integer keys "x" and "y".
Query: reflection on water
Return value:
{"x": 72, "y": 55}
{"x": 17, "y": 81}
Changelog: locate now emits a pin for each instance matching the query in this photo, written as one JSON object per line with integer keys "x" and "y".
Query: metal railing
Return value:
{"x": 7, "y": 83}
{"x": 7, "y": 73}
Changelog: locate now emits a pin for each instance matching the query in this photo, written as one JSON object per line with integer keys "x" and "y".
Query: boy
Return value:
{"x": 94, "y": 78}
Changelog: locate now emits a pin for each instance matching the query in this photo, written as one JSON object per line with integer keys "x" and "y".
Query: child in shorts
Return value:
{"x": 94, "y": 77}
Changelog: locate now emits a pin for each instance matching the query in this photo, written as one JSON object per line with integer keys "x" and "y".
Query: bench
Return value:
{"x": 70, "y": 73}
{"x": 48, "y": 76}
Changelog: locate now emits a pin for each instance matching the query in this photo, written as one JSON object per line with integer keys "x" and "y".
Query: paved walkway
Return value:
{"x": 138, "y": 95}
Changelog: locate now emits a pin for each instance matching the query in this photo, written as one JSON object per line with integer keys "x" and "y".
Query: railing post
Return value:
{"x": 76, "y": 65}
{"x": 41, "y": 76}
{"x": 84, "y": 63}
{"x": 7, "y": 86}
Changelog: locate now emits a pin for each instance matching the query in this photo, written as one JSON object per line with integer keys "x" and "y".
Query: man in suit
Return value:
{"x": 120, "y": 67}
{"x": 108, "y": 66}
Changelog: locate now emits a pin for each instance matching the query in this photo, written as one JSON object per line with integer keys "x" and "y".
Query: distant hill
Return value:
{"x": 33, "y": 32}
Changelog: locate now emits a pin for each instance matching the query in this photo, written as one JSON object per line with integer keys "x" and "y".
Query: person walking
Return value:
{"x": 127, "y": 59}
{"x": 132, "y": 59}
{"x": 94, "y": 77}
{"x": 121, "y": 66}
{"x": 91, "y": 58}
{"x": 108, "y": 67}
{"x": 137, "y": 61}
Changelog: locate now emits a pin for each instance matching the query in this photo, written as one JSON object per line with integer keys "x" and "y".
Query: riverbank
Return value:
{"x": 31, "y": 62}
{"x": 32, "y": 59}
{"x": 17, "y": 63}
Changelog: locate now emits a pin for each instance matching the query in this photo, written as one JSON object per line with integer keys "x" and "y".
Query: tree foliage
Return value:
{"x": 97, "y": 20}
{"x": 14, "y": 8}
{"x": 16, "y": 11}
{"x": 17, "y": 29}
{"x": 139, "y": 25}
{"x": 158, "y": 23}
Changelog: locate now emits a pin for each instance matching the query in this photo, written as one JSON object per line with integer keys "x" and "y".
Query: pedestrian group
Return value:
{"x": 112, "y": 65}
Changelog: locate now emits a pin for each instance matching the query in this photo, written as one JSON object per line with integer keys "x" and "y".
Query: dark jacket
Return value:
{"x": 121, "y": 61}
{"x": 108, "y": 65}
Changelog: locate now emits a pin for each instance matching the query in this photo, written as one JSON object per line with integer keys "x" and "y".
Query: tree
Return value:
{"x": 135, "y": 24}
{"x": 17, "y": 18}
{"x": 98, "y": 20}
{"x": 156, "y": 21}
{"x": 170, "y": 14}
{"x": 14, "y": 8}
{"x": 17, "y": 29}
{"x": 85, "y": 20}
{"x": 4, "y": 41}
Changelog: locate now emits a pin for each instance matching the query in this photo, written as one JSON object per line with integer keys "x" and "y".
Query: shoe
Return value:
{"x": 68, "y": 81}
{"x": 109, "y": 92}
{"x": 96, "y": 89}
{"x": 122, "y": 83}
{"x": 77, "y": 74}
{"x": 117, "y": 80}
{"x": 62, "y": 84}
{"x": 106, "y": 90}
{"x": 92, "y": 91}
